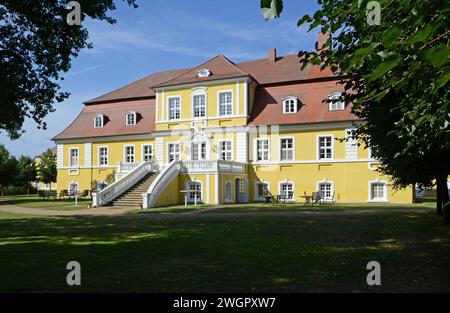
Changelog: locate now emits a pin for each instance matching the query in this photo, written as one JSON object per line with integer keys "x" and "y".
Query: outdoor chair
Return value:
{"x": 63, "y": 193}
{"x": 317, "y": 197}
{"x": 84, "y": 194}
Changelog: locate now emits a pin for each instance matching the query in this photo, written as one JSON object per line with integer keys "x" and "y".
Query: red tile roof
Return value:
{"x": 138, "y": 89}
{"x": 114, "y": 123}
{"x": 268, "y": 104}
{"x": 276, "y": 80}
{"x": 219, "y": 66}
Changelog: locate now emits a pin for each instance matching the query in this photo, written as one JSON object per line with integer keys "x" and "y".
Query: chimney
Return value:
{"x": 321, "y": 40}
{"x": 272, "y": 55}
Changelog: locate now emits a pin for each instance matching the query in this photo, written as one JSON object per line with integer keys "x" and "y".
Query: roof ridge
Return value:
{"x": 219, "y": 56}
{"x": 233, "y": 64}
{"x": 261, "y": 59}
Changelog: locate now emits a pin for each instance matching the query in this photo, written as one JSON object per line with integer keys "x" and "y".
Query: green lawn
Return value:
{"x": 289, "y": 207}
{"x": 33, "y": 201}
{"x": 207, "y": 254}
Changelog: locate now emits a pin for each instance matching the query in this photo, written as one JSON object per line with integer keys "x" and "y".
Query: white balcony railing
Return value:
{"x": 114, "y": 190}
{"x": 125, "y": 167}
{"x": 205, "y": 166}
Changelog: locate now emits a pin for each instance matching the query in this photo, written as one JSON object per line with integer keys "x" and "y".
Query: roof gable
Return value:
{"x": 219, "y": 66}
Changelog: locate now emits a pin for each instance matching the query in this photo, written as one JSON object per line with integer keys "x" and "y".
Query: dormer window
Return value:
{"x": 130, "y": 118}
{"x": 204, "y": 73}
{"x": 335, "y": 102}
{"x": 98, "y": 121}
{"x": 290, "y": 105}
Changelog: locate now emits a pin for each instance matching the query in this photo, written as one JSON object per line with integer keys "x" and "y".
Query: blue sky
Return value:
{"x": 161, "y": 35}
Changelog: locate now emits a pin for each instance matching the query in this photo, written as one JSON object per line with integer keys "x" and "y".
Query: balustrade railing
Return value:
{"x": 114, "y": 190}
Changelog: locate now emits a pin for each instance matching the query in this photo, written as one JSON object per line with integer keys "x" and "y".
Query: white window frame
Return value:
{"x": 101, "y": 117}
{"x": 326, "y": 181}
{"x": 197, "y": 92}
{"x": 125, "y": 153}
{"x": 268, "y": 149}
{"x": 131, "y": 113}
{"x": 73, "y": 183}
{"x": 200, "y": 150}
{"x": 100, "y": 156}
{"x": 143, "y": 151}
{"x": 280, "y": 188}
{"x": 287, "y": 107}
{"x": 281, "y": 149}
{"x": 219, "y": 104}
{"x": 220, "y": 150}
{"x": 70, "y": 157}
{"x": 188, "y": 187}
{"x": 318, "y": 147}
{"x": 168, "y": 150}
{"x": 385, "y": 191}
{"x": 168, "y": 108}
{"x": 257, "y": 183}
{"x": 332, "y": 105}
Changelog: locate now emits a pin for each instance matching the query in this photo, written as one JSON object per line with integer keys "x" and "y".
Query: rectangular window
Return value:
{"x": 225, "y": 152}
{"x": 73, "y": 161}
{"x": 287, "y": 149}
{"x": 262, "y": 190}
{"x": 377, "y": 191}
{"x": 287, "y": 190}
{"x": 174, "y": 152}
{"x": 129, "y": 154}
{"x": 325, "y": 147}
{"x": 73, "y": 188}
{"x": 147, "y": 153}
{"x": 199, "y": 106}
{"x": 225, "y": 103}
{"x": 325, "y": 190}
{"x": 102, "y": 156}
{"x": 199, "y": 151}
{"x": 196, "y": 189}
{"x": 262, "y": 149}
{"x": 174, "y": 108}
{"x": 98, "y": 121}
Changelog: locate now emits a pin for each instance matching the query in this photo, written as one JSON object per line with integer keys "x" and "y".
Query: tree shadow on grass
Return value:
{"x": 253, "y": 254}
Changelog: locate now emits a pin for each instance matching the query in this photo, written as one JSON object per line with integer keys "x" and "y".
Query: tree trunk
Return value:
{"x": 442, "y": 197}
{"x": 445, "y": 201}
{"x": 28, "y": 189}
{"x": 438, "y": 197}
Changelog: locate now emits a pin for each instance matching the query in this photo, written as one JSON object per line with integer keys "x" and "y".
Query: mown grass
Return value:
{"x": 226, "y": 254}
{"x": 33, "y": 201}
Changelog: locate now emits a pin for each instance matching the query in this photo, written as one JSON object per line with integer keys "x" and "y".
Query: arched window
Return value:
{"x": 336, "y": 103}
{"x": 290, "y": 105}
{"x": 130, "y": 118}
{"x": 98, "y": 121}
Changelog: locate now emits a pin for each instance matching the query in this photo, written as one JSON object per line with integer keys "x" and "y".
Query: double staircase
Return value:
{"x": 132, "y": 198}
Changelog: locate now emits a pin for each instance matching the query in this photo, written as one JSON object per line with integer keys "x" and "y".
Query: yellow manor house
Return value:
{"x": 219, "y": 133}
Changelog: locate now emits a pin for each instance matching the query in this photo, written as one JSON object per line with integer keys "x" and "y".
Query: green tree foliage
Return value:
{"x": 47, "y": 172}
{"x": 8, "y": 168}
{"x": 36, "y": 46}
{"x": 397, "y": 80}
{"x": 26, "y": 172}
